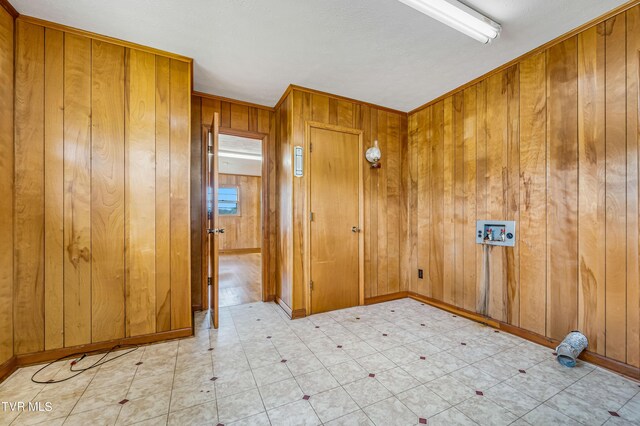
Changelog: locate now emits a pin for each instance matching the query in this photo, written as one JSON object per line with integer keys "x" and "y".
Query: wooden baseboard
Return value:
{"x": 53, "y": 354}
{"x": 593, "y": 358}
{"x": 196, "y": 308}
{"x": 299, "y": 313}
{"x": 241, "y": 251}
{"x": 386, "y": 298}
{"x": 8, "y": 367}
{"x": 270, "y": 298}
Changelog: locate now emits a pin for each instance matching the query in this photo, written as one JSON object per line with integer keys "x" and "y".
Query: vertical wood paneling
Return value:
{"x": 54, "y": 189}
{"x": 633, "y": 278}
{"x": 197, "y": 230}
{"x": 591, "y": 166}
{"x": 394, "y": 201}
{"x": 616, "y": 181}
{"x": 512, "y": 193}
{"x": 533, "y": 211}
{"x": 77, "y": 194}
{"x": 481, "y": 185}
{"x": 458, "y": 199}
{"x": 239, "y": 117}
{"x": 469, "y": 170}
{"x": 107, "y": 191}
{"x": 85, "y": 187}
{"x": 382, "y": 263}
{"x": 163, "y": 196}
{"x": 497, "y": 140}
{"x": 7, "y": 183}
{"x": 422, "y": 150}
{"x": 140, "y": 193}
{"x": 372, "y": 289}
{"x": 179, "y": 152}
{"x": 447, "y": 232}
{"x": 562, "y": 188}
{"x": 556, "y": 150}
{"x": 436, "y": 194}
{"x": 242, "y": 231}
{"x": 29, "y": 190}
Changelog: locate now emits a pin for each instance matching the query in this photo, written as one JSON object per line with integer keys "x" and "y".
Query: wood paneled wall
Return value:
{"x": 101, "y": 190}
{"x": 243, "y": 231}
{"x": 6, "y": 184}
{"x": 237, "y": 118}
{"x": 386, "y": 227}
{"x": 551, "y": 142}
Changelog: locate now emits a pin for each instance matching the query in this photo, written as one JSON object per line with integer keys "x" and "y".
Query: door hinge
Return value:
{"x": 209, "y": 214}
{"x": 208, "y": 280}
{"x": 310, "y": 216}
{"x": 209, "y": 149}
{"x": 311, "y": 285}
{"x": 310, "y": 147}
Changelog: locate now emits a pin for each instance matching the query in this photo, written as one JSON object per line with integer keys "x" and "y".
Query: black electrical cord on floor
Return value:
{"x": 82, "y": 355}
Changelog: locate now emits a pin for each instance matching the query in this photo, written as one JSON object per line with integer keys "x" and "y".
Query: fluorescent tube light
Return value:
{"x": 459, "y": 17}
{"x": 238, "y": 155}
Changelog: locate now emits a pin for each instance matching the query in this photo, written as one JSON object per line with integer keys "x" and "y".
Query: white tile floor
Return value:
{"x": 396, "y": 363}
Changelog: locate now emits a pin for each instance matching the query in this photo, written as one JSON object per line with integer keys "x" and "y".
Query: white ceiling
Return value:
{"x": 380, "y": 51}
{"x": 240, "y": 145}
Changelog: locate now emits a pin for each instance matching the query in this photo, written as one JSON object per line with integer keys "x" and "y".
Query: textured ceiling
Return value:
{"x": 380, "y": 51}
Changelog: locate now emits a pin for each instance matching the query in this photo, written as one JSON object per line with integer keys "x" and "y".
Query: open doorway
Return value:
{"x": 235, "y": 218}
{"x": 239, "y": 215}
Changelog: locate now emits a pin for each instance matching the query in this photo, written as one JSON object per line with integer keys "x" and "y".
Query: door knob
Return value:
{"x": 355, "y": 229}
{"x": 215, "y": 231}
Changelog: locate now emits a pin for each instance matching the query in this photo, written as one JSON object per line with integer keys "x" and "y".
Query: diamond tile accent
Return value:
{"x": 516, "y": 376}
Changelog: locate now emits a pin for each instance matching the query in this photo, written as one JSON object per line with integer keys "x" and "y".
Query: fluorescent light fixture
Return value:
{"x": 459, "y": 17}
{"x": 239, "y": 155}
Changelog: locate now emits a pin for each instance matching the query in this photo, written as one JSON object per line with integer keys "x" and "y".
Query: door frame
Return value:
{"x": 264, "y": 208}
{"x": 307, "y": 206}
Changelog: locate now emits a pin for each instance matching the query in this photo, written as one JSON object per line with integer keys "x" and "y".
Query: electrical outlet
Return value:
{"x": 420, "y": 273}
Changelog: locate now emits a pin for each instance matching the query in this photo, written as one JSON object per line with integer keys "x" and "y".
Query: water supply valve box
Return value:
{"x": 496, "y": 232}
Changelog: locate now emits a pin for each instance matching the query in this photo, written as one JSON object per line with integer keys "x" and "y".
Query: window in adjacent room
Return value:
{"x": 228, "y": 201}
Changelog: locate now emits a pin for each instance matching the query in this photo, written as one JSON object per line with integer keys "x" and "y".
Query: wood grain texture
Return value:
{"x": 29, "y": 190}
{"x": 54, "y": 189}
{"x": 77, "y": 193}
{"x": 243, "y": 231}
{"x": 591, "y": 158}
{"x": 533, "y": 193}
{"x": 616, "y": 182}
{"x": 469, "y": 196}
{"x": 260, "y": 122}
{"x": 556, "y": 149}
{"x": 562, "y": 184}
{"x": 72, "y": 112}
{"x": 384, "y": 231}
{"x": 107, "y": 191}
{"x": 6, "y": 183}
{"x": 163, "y": 194}
{"x": 140, "y": 193}
{"x": 633, "y": 255}
{"x": 447, "y": 231}
{"x": 180, "y": 203}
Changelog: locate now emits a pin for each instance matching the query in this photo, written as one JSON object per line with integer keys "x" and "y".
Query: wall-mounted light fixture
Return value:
{"x": 459, "y": 17}
{"x": 373, "y": 155}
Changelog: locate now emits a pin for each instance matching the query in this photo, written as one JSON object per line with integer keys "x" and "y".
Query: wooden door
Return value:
{"x": 334, "y": 227}
{"x": 213, "y": 230}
